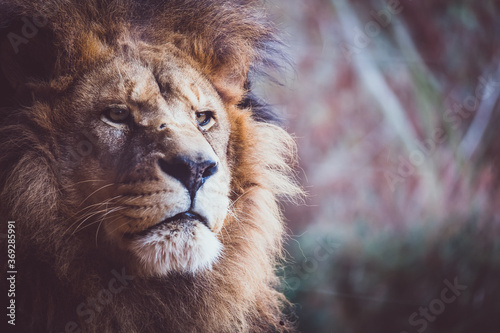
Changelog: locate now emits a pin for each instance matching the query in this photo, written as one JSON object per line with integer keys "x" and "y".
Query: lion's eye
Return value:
{"x": 117, "y": 114}
{"x": 205, "y": 118}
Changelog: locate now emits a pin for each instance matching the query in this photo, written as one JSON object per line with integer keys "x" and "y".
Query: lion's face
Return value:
{"x": 133, "y": 146}
{"x": 153, "y": 178}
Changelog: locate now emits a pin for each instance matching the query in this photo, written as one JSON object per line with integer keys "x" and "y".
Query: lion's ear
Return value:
{"x": 225, "y": 64}
{"x": 230, "y": 81}
{"x": 26, "y": 55}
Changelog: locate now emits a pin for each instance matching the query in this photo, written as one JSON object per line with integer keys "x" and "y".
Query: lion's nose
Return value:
{"x": 189, "y": 172}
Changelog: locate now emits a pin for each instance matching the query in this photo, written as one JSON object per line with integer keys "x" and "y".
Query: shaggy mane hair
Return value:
{"x": 57, "y": 273}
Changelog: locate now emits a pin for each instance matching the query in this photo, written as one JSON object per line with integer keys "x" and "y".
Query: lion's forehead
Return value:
{"x": 173, "y": 85}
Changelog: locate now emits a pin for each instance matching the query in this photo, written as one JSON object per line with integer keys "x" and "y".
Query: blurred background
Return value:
{"x": 395, "y": 107}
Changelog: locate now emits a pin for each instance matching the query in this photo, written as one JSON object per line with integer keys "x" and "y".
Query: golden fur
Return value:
{"x": 84, "y": 188}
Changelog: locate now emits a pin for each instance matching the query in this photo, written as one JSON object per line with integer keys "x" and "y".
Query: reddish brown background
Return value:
{"x": 396, "y": 115}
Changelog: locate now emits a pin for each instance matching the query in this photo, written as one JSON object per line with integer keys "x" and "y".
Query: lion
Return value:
{"x": 140, "y": 175}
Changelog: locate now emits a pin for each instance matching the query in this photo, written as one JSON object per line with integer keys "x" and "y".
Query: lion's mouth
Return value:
{"x": 184, "y": 217}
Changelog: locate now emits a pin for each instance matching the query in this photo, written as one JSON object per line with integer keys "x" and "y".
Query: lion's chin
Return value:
{"x": 186, "y": 247}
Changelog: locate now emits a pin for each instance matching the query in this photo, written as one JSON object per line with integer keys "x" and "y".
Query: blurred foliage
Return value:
{"x": 395, "y": 107}
{"x": 375, "y": 283}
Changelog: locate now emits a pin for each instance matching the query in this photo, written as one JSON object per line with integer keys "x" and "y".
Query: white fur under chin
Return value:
{"x": 186, "y": 248}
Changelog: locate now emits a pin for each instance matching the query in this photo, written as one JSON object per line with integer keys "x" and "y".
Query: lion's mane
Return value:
{"x": 58, "y": 272}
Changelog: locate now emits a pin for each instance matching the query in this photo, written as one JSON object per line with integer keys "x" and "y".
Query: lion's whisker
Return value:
{"x": 96, "y": 213}
{"x": 89, "y": 212}
{"x": 85, "y": 218}
{"x": 118, "y": 227}
{"x": 97, "y": 204}
{"x": 241, "y": 196}
{"x": 81, "y": 182}
{"x": 99, "y": 189}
